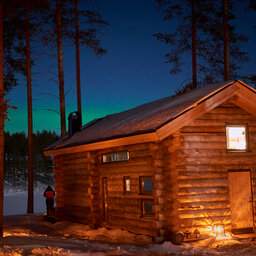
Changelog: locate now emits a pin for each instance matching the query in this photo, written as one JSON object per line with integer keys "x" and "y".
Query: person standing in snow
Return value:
{"x": 49, "y": 194}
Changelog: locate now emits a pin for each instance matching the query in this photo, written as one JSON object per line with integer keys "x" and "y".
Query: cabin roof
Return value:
{"x": 143, "y": 119}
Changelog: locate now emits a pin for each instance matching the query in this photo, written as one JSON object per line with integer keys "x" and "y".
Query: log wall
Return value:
{"x": 125, "y": 209}
{"x": 202, "y": 163}
{"x": 71, "y": 187}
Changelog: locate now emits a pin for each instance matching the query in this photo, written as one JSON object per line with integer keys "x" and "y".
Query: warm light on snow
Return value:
{"x": 16, "y": 234}
{"x": 218, "y": 229}
{"x": 236, "y": 138}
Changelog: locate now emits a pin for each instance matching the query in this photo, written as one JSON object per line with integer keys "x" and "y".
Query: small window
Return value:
{"x": 147, "y": 207}
{"x": 146, "y": 185}
{"x": 115, "y": 157}
{"x": 236, "y": 137}
{"x": 127, "y": 184}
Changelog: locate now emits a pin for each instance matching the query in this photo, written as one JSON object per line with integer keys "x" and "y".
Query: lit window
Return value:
{"x": 147, "y": 207}
{"x": 127, "y": 184}
{"x": 115, "y": 157}
{"x": 146, "y": 185}
{"x": 236, "y": 137}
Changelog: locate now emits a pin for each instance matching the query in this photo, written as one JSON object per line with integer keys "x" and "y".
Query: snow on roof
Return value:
{"x": 141, "y": 119}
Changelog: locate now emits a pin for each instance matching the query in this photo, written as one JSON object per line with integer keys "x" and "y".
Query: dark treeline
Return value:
{"x": 16, "y": 158}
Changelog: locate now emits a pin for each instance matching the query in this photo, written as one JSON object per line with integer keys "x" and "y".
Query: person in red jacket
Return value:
{"x": 49, "y": 194}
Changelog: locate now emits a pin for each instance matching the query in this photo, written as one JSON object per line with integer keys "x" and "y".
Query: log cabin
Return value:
{"x": 182, "y": 163}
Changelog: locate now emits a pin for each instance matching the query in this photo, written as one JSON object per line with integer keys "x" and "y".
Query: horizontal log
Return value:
{"x": 125, "y": 213}
{"x": 77, "y": 172}
{"x": 139, "y": 226}
{"x": 202, "y": 191}
{"x": 132, "y": 147}
{"x": 210, "y": 153}
{"x": 83, "y": 178}
{"x": 188, "y": 223}
{"x": 121, "y": 196}
{"x": 205, "y": 145}
{"x": 76, "y": 161}
{"x": 202, "y": 175}
{"x": 132, "y": 228}
{"x": 211, "y": 168}
{"x": 244, "y": 158}
{"x": 75, "y": 182}
{"x": 71, "y": 188}
{"x": 133, "y": 154}
{"x": 203, "y": 129}
{"x": 74, "y": 156}
{"x": 204, "y": 205}
{"x": 77, "y": 201}
{"x": 203, "y": 198}
{"x": 220, "y": 138}
{"x": 203, "y": 183}
{"x": 203, "y": 229}
{"x": 204, "y": 213}
{"x": 70, "y": 168}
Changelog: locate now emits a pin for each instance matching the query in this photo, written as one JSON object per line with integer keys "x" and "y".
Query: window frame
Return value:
{"x": 143, "y": 212}
{"x": 246, "y": 137}
{"x": 114, "y": 153}
{"x": 125, "y": 186}
{"x": 141, "y": 179}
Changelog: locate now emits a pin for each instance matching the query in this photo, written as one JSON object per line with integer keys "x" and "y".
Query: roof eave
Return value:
{"x": 189, "y": 114}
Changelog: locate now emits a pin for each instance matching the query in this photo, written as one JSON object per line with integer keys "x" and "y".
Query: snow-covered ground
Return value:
{"x": 32, "y": 235}
{"x": 15, "y": 201}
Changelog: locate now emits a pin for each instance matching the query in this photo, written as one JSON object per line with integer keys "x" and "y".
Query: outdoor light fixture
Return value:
{"x": 187, "y": 234}
{"x": 218, "y": 229}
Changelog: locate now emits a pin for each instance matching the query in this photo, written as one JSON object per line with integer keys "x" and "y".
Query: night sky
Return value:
{"x": 131, "y": 73}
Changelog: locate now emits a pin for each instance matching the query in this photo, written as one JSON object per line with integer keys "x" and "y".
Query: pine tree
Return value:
{"x": 78, "y": 27}
{"x": 209, "y": 39}
{"x": 1, "y": 119}
{"x": 30, "y": 206}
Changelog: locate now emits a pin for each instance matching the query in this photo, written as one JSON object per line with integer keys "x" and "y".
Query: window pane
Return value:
{"x": 236, "y": 138}
{"x": 127, "y": 185}
{"x": 115, "y": 157}
{"x": 148, "y": 185}
{"x": 147, "y": 207}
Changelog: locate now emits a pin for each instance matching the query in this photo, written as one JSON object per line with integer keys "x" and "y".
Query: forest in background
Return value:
{"x": 16, "y": 160}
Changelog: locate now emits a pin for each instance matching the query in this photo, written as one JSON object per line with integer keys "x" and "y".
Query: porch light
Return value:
{"x": 196, "y": 233}
{"x": 187, "y": 234}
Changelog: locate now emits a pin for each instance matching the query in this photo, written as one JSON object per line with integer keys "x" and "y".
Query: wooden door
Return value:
{"x": 105, "y": 198}
{"x": 240, "y": 193}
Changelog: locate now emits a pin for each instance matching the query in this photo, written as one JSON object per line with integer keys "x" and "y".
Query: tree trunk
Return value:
{"x": 60, "y": 69}
{"x": 225, "y": 38}
{"x": 78, "y": 80}
{"x": 193, "y": 18}
{"x": 1, "y": 120}
{"x": 30, "y": 205}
